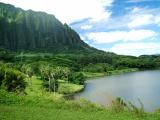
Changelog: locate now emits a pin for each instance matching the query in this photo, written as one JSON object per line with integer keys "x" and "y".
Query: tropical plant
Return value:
{"x": 12, "y": 80}
{"x": 29, "y": 72}
{"x": 77, "y": 78}
{"x": 50, "y": 77}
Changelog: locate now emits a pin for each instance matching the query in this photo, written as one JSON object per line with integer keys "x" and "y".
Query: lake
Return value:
{"x": 143, "y": 85}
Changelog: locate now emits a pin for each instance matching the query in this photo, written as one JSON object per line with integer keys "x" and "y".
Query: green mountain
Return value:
{"x": 36, "y": 31}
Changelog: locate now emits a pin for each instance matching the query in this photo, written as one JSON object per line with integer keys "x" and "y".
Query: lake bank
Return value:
{"x": 143, "y": 85}
{"x": 54, "y": 108}
{"x": 91, "y": 75}
{"x": 44, "y": 105}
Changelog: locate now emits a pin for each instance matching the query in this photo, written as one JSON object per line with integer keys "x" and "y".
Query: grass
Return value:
{"x": 36, "y": 87}
{"x": 66, "y": 111}
{"x": 91, "y": 75}
{"x": 69, "y": 88}
{"x": 41, "y": 105}
{"x": 116, "y": 72}
{"x": 64, "y": 88}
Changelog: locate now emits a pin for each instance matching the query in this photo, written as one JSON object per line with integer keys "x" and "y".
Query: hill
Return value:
{"x": 36, "y": 31}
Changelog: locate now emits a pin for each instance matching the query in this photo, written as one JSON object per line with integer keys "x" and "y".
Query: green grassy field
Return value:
{"x": 64, "y": 88}
{"x": 66, "y": 110}
{"x": 41, "y": 105}
{"x": 70, "y": 88}
{"x": 25, "y": 112}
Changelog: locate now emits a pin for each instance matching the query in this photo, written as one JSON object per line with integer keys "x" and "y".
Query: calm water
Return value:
{"x": 130, "y": 86}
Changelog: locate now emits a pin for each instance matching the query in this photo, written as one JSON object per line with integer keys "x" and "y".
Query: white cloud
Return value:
{"x": 135, "y": 17}
{"x": 85, "y": 27}
{"x": 140, "y": 20}
{"x": 157, "y": 20}
{"x": 135, "y": 49}
{"x": 139, "y": 17}
{"x": 68, "y": 10}
{"x": 115, "y": 36}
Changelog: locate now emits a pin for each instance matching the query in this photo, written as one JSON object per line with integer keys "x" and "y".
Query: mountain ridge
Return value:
{"x": 37, "y": 31}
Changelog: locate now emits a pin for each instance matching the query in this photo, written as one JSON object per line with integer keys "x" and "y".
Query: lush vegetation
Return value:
{"x": 53, "y": 107}
{"x": 38, "y": 31}
{"x": 40, "y": 104}
{"x": 71, "y": 68}
{"x": 33, "y": 84}
{"x": 12, "y": 80}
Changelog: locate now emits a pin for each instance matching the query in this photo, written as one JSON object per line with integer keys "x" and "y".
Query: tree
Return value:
{"x": 50, "y": 77}
{"x": 66, "y": 73}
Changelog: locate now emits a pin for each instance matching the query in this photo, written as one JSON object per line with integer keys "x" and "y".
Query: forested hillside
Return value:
{"x": 38, "y": 31}
{"x": 35, "y": 32}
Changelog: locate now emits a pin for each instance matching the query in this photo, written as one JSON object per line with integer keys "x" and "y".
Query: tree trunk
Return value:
{"x": 30, "y": 80}
{"x": 54, "y": 86}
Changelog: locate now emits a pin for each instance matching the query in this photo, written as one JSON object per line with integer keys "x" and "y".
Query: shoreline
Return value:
{"x": 100, "y": 75}
{"x": 70, "y": 96}
{"x": 114, "y": 72}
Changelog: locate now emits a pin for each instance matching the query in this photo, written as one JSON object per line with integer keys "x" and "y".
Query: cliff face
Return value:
{"x": 29, "y": 30}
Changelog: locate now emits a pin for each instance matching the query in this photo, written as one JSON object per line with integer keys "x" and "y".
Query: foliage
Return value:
{"x": 66, "y": 58}
{"x": 77, "y": 78}
{"x": 2, "y": 75}
{"x": 99, "y": 67}
{"x": 65, "y": 88}
{"x": 118, "y": 104}
{"x": 12, "y": 80}
{"x": 6, "y": 55}
{"x": 20, "y": 107}
{"x": 49, "y": 75}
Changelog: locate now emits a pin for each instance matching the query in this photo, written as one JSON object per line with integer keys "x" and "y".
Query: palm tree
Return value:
{"x": 50, "y": 74}
{"x": 66, "y": 73}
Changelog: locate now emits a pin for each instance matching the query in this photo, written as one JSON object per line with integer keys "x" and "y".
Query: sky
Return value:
{"x": 126, "y": 27}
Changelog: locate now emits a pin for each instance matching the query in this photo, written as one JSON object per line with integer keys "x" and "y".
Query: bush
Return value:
{"x": 2, "y": 73}
{"x": 6, "y": 55}
{"x": 99, "y": 67}
{"x": 77, "y": 78}
{"x": 12, "y": 80}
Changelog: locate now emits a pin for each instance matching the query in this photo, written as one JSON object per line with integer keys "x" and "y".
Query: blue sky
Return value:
{"x": 128, "y": 27}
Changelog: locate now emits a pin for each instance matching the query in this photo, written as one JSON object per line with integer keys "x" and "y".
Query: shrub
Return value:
{"x": 77, "y": 78}
{"x": 12, "y": 80}
{"x": 118, "y": 104}
{"x": 2, "y": 73}
{"x": 99, "y": 67}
